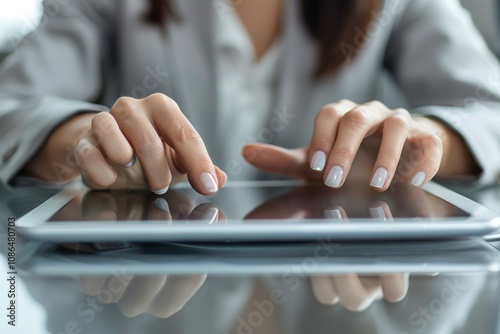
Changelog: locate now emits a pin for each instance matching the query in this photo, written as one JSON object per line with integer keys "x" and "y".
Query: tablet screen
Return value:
{"x": 353, "y": 201}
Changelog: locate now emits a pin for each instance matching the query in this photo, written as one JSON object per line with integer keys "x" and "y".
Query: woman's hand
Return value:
{"x": 387, "y": 144}
{"x": 152, "y": 130}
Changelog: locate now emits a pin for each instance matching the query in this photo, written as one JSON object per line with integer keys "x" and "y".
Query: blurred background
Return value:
{"x": 20, "y": 17}
{"x": 17, "y": 18}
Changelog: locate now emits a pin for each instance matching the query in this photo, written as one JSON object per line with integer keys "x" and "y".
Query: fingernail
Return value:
{"x": 334, "y": 177}
{"x": 208, "y": 182}
{"x": 162, "y": 204}
{"x": 418, "y": 179}
{"x": 131, "y": 162}
{"x": 161, "y": 191}
{"x": 379, "y": 178}
{"x": 333, "y": 214}
{"x": 318, "y": 161}
{"x": 378, "y": 213}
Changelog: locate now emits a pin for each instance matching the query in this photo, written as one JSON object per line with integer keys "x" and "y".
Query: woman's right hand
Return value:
{"x": 154, "y": 131}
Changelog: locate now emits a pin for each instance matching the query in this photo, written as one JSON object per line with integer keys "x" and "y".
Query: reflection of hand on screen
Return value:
{"x": 137, "y": 206}
{"x": 352, "y": 201}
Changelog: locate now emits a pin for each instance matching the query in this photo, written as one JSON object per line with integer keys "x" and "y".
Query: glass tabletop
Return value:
{"x": 450, "y": 286}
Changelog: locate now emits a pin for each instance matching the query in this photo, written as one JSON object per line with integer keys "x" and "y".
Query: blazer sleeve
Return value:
{"x": 54, "y": 74}
{"x": 446, "y": 71}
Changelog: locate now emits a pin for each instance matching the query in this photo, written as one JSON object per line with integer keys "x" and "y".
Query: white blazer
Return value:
{"x": 88, "y": 53}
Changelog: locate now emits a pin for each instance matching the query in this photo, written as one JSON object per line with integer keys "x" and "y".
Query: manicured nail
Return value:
{"x": 334, "y": 178}
{"x": 318, "y": 161}
{"x": 379, "y": 178}
{"x": 418, "y": 179}
{"x": 131, "y": 162}
{"x": 208, "y": 182}
{"x": 161, "y": 191}
{"x": 162, "y": 204}
{"x": 378, "y": 213}
{"x": 334, "y": 214}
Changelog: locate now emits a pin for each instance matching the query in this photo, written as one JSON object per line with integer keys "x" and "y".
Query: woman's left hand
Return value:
{"x": 389, "y": 145}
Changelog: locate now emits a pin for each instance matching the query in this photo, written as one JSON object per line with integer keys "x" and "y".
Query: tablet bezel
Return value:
{"x": 471, "y": 254}
{"x": 33, "y": 225}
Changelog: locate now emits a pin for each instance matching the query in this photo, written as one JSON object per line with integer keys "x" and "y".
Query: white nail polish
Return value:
{"x": 418, "y": 179}
{"x": 318, "y": 161}
{"x": 334, "y": 177}
{"x": 208, "y": 182}
{"x": 334, "y": 214}
{"x": 378, "y": 213}
{"x": 161, "y": 191}
{"x": 379, "y": 178}
{"x": 162, "y": 204}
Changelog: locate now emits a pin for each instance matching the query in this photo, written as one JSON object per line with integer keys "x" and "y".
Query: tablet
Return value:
{"x": 444, "y": 256}
{"x": 257, "y": 212}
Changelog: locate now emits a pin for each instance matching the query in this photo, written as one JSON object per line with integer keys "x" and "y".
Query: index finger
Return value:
{"x": 176, "y": 130}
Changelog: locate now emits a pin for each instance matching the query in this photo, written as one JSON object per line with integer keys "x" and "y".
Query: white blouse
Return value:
{"x": 246, "y": 90}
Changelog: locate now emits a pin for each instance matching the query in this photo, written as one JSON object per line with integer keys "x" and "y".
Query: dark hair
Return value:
{"x": 338, "y": 26}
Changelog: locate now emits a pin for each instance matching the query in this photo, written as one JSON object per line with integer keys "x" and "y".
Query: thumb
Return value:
{"x": 278, "y": 160}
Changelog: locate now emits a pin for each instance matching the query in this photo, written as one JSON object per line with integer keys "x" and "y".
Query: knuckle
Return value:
{"x": 432, "y": 142}
{"x": 149, "y": 146}
{"x": 186, "y": 134}
{"x": 399, "y": 121}
{"x": 163, "y": 100}
{"x": 329, "y": 111}
{"x": 356, "y": 118}
{"x": 123, "y": 109}
{"x": 376, "y": 104}
{"x": 346, "y": 101}
{"x": 102, "y": 122}
{"x": 403, "y": 112}
{"x": 157, "y": 98}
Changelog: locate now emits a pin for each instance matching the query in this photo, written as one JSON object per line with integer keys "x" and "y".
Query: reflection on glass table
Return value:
{"x": 164, "y": 295}
{"x": 291, "y": 302}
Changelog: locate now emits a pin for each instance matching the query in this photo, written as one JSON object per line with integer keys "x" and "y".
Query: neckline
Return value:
{"x": 231, "y": 32}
